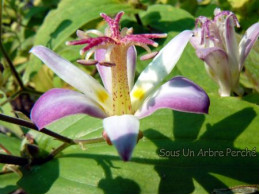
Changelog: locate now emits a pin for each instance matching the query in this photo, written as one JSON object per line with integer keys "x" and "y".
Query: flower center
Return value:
{"x": 116, "y": 43}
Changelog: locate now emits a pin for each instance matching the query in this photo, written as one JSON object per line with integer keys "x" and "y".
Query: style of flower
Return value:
{"x": 215, "y": 43}
{"x": 119, "y": 103}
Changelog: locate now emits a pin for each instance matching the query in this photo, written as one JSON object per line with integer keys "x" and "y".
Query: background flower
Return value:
{"x": 215, "y": 43}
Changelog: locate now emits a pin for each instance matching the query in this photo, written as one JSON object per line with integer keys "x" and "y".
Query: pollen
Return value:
{"x": 139, "y": 93}
{"x": 102, "y": 96}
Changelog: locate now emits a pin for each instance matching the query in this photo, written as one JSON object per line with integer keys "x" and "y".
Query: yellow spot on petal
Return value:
{"x": 102, "y": 96}
{"x": 139, "y": 94}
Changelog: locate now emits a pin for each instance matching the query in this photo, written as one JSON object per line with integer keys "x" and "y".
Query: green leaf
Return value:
{"x": 166, "y": 18}
{"x": 65, "y": 20}
{"x": 232, "y": 125}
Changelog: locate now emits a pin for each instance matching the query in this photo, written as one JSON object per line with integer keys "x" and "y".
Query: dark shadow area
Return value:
{"x": 110, "y": 185}
{"x": 63, "y": 25}
{"x": 187, "y": 128}
{"x": 42, "y": 179}
{"x": 154, "y": 18}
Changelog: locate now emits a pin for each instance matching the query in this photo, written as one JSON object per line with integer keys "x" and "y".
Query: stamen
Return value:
{"x": 145, "y": 47}
{"x": 81, "y": 34}
{"x": 108, "y": 64}
{"x": 95, "y": 32}
{"x": 93, "y": 42}
{"x": 153, "y": 36}
{"x": 124, "y": 32}
{"x": 227, "y": 13}
{"x": 87, "y": 62}
{"x": 107, "y": 32}
{"x": 105, "y": 136}
{"x": 90, "y": 53}
{"x": 139, "y": 39}
{"x": 108, "y": 52}
{"x": 149, "y": 56}
{"x": 77, "y": 42}
{"x": 130, "y": 31}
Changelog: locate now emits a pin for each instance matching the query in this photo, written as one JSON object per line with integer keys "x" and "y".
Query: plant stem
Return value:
{"x": 10, "y": 63}
{"x": 51, "y": 155}
{"x": 30, "y": 91}
{"x": 34, "y": 127}
{"x": 90, "y": 141}
{"x": 11, "y": 98}
{"x": 9, "y": 159}
{"x": 5, "y": 172}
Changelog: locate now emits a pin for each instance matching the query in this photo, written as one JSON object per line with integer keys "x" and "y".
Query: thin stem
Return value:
{"x": 5, "y": 149}
{"x": 9, "y": 61}
{"x": 30, "y": 91}
{"x": 16, "y": 160}
{"x": 51, "y": 155}
{"x": 138, "y": 19}
{"x": 34, "y": 127}
{"x": 5, "y": 172}
{"x": 22, "y": 91}
{"x": 90, "y": 141}
{"x": 11, "y": 98}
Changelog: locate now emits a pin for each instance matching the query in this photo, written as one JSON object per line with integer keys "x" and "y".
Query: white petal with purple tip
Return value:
{"x": 231, "y": 44}
{"x": 160, "y": 67}
{"x": 58, "y": 103}
{"x": 72, "y": 75}
{"x": 247, "y": 43}
{"x": 178, "y": 94}
{"x": 123, "y": 132}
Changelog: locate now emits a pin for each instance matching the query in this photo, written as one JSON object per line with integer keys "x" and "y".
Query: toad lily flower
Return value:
{"x": 119, "y": 103}
{"x": 215, "y": 43}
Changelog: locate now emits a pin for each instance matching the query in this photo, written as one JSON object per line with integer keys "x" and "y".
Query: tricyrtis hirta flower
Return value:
{"x": 215, "y": 43}
{"x": 120, "y": 103}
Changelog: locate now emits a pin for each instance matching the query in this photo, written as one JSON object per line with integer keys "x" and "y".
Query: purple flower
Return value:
{"x": 120, "y": 103}
{"x": 215, "y": 43}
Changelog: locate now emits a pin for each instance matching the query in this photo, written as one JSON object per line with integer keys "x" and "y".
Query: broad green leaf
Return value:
{"x": 231, "y": 125}
{"x": 65, "y": 20}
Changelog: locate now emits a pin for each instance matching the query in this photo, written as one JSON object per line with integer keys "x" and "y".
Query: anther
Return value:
{"x": 108, "y": 64}
{"x": 87, "y": 62}
{"x": 105, "y": 136}
{"x": 149, "y": 56}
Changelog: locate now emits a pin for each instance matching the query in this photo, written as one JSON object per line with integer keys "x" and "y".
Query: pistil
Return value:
{"x": 120, "y": 88}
